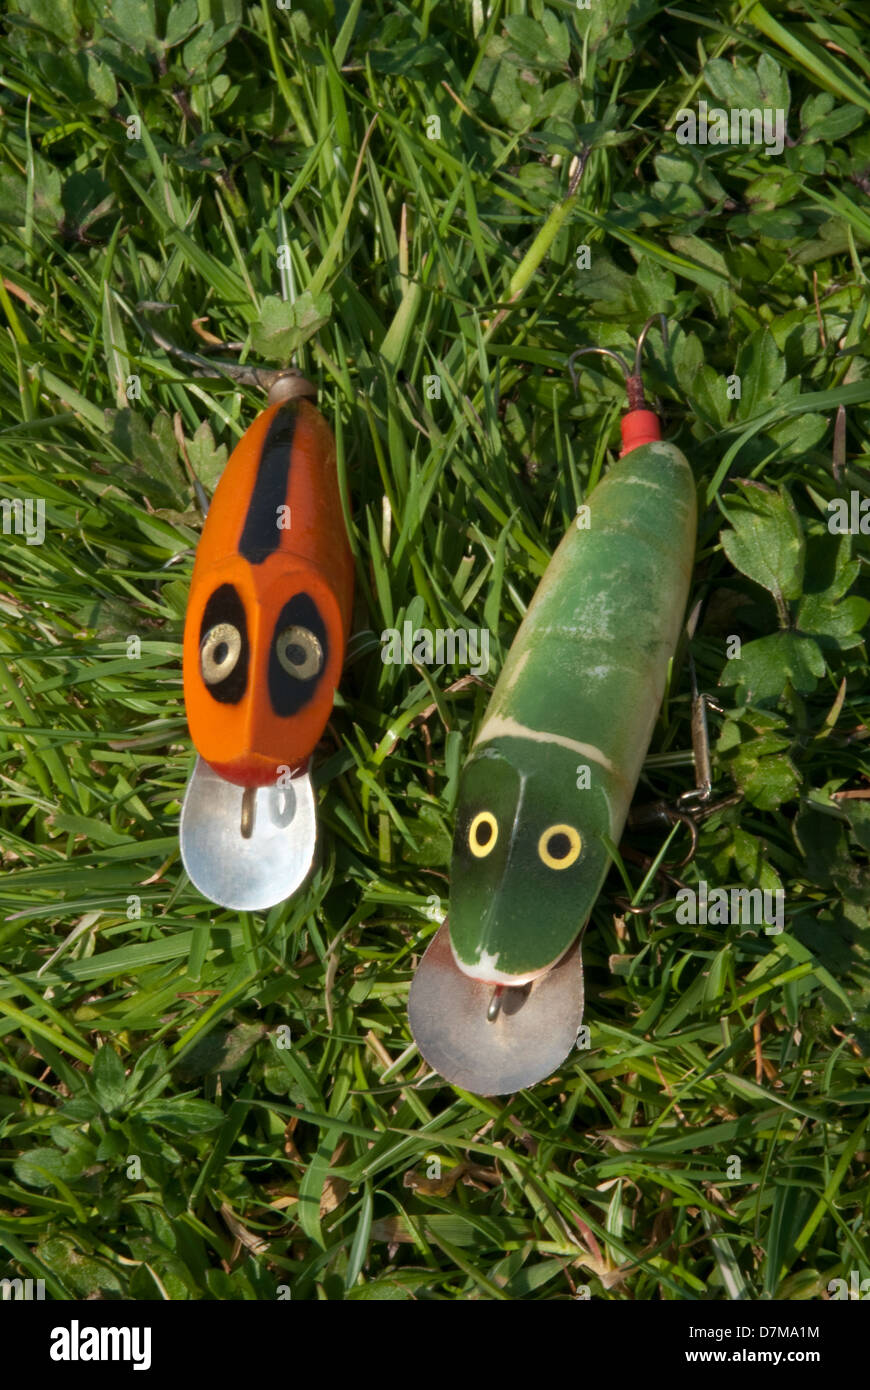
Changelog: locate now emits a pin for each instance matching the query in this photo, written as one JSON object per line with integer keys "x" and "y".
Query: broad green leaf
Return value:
{"x": 82, "y": 1272}
{"x": 837, "y": 622}
{"x": 761, "y": 368}
{"x": 109, "y": 1081}
{"x": 767, "y": 782}
{"x": 284, "y": 327}
{"x": 766, "y": 665}
{"x": 183, "y": 1115}
{"x": 207, "y": 459}
{"x": 767, "y": 542}
{"x": 39, "y": 1167}
{"x": 133, "y": 23}
{"x": 736, "y": 86}
{"x": 544, "y": 45}
{"x": 181, "y": 20}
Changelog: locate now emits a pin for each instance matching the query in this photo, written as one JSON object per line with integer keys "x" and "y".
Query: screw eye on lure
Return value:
{"x": 267, "y": 621}
{"x": 497, "y": 1000}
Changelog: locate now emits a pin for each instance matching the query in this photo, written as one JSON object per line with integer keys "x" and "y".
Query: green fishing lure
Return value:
{"x": 552, "y": 773}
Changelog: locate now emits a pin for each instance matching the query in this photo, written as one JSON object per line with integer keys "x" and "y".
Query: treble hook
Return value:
{"x": 665, "y": 874}
{"x": 692, "y": 806}
{"x": 605, "y": 352}
{"x": 633, "y": 382}
{"x": 663, "y": 325}
{"x": 662, "y": 813}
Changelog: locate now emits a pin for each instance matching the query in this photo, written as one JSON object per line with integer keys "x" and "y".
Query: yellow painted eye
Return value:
{"x": 482, "y": 834}
{"x": 559, "y": 846}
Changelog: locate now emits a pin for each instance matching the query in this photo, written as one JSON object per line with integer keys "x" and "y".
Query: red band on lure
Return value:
{"x": 639, "y": 427}
{"x": 270, "y": 601}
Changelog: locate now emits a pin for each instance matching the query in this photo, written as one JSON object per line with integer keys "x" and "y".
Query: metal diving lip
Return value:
{"x": 493, "y": 1052}
{"x": 247, "y": 849}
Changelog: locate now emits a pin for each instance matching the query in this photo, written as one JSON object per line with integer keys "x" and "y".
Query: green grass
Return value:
{"x": 157, "y": 1140}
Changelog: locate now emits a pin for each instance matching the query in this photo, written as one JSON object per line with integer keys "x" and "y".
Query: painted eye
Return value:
{"x": 482, "y": 834}
{"x": 559, "y": 846}
{"x": 219, "y": 652}
{"x": 299, "y": 652}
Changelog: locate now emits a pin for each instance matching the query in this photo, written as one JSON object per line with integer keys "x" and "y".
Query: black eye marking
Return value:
{"x": 261, "y": 535}
{"x": 300, "y": 632}
{"x": 224, "y": 651}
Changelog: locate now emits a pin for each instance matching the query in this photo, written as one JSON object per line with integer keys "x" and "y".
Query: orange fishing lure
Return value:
{"x": 270, "y": 600}
{"x": 267, "y": 623}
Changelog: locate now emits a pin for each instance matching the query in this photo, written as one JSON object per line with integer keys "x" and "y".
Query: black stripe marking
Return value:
{"x": 225, "y": 606}
{"x": 288, "y": 694}
{"x": 261, "y": 534}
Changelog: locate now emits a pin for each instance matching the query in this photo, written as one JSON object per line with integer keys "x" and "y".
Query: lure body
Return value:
{"x": 555, "y": 764}
{"x": 497, "y": 1000}
{"x": 270, "y": 601}
{"x": 264, "y": 639}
